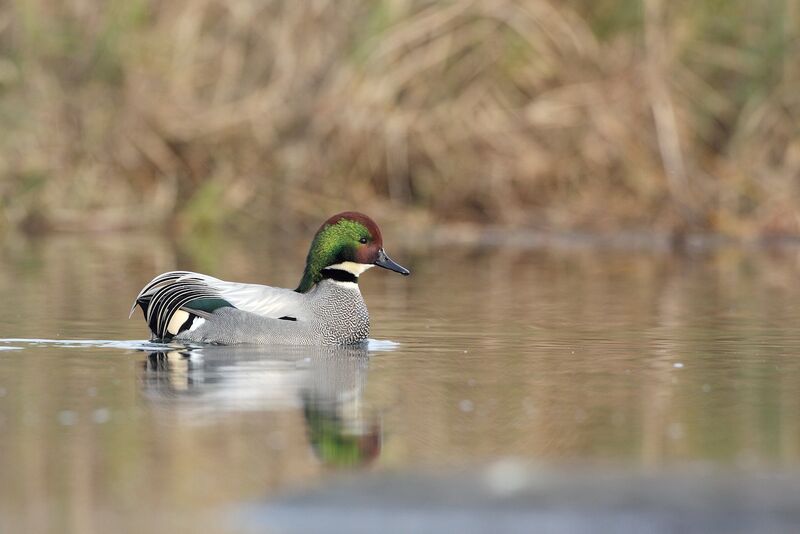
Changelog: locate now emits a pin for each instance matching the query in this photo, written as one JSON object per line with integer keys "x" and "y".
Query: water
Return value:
{"x": 622, "y": 360}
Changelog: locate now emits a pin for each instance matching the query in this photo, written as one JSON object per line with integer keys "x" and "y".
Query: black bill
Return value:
{"x": 387, "y": 263}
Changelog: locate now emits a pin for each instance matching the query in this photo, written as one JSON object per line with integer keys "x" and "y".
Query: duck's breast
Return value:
{"x": 340, "y": 311}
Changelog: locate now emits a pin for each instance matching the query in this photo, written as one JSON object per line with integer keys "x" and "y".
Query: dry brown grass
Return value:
{"x": 676, "y": 116}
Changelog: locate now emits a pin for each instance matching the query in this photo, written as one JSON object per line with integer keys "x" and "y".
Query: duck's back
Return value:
{"x": 331, "y": 313}
{"x": 193, "y": 307}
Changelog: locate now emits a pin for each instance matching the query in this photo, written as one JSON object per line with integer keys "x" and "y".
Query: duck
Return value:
{"x": 326, "y": 308}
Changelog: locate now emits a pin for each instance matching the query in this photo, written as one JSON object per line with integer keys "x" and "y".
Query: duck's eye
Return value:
{"x": 363, "y": 240}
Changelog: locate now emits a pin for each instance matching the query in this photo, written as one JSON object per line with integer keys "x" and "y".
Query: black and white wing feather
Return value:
{"x": 171, "y": 301}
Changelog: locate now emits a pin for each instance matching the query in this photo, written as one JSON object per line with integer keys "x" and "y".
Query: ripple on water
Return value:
{"x": 374, "y": 345}
{"x": 83, "y": 343}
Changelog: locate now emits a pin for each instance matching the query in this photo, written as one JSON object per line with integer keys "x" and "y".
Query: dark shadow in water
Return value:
{"x": 326, "y": 383}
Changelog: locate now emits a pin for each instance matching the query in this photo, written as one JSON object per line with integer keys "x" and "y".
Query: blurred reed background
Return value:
{"x": 599, "y": 115}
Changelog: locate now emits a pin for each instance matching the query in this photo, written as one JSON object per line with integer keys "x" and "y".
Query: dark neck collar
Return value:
{"x": 339, "y": 275}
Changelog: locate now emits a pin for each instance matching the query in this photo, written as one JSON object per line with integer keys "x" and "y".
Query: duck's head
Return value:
{"x": 345, "y": 246}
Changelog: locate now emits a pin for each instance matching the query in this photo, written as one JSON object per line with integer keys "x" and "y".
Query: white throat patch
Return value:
{"x": 351, "y": 267}
{"x": 348, "y": 285}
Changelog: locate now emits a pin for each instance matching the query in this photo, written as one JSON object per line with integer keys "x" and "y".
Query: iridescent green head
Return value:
{"x": 345, "y": 246}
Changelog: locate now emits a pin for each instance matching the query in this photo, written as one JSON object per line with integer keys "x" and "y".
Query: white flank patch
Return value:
{"x": 351, "y": 267}
{"x": 198, "y": 322}
{"x": 178, "y": 318}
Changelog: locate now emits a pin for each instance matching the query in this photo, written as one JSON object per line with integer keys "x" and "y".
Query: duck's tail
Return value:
{"x": 172, "y": 301}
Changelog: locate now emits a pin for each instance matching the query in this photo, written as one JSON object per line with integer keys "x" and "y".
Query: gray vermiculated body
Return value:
{"x": 334, "y": 313}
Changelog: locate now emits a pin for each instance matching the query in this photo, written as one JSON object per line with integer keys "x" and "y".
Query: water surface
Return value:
{"x": 634, "y": 361}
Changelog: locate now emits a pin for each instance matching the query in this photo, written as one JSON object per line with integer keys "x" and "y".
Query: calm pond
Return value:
{"x": 628, "y": 360}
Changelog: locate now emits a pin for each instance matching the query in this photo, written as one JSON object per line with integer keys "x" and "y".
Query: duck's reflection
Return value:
{"x": 325, "y": 383}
